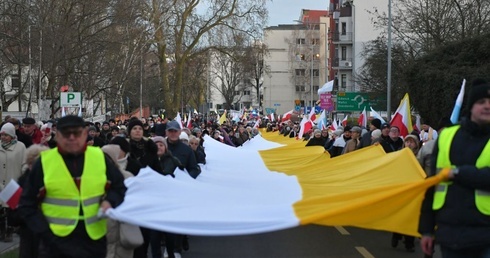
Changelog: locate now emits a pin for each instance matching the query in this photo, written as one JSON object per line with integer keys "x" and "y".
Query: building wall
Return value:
{"x": 364, "y": 28}
{"x": 284, "y": 58}
{"x": 278, "y": 89}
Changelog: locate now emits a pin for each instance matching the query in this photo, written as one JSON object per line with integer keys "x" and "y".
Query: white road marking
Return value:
{"x": 364, "y": 252}
{"x": 342, "y": 230}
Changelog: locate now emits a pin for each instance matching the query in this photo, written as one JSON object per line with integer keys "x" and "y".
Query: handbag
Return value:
{"x": 130, "y": 235}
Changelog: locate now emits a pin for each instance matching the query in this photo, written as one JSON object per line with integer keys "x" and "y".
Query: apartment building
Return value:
{"x": 297, "y": 61}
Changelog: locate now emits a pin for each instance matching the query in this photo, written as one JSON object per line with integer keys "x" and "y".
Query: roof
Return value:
{"x": 312, "y": 16}
{"x": 288, "y": 27}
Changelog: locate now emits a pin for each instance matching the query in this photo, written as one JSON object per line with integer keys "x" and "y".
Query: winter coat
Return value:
{"x": 11, "y": 161}
{"x": 459, "y": 224}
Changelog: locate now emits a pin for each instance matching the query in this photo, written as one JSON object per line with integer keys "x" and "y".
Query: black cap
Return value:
{"x": 480, "y": 89}
{"x": 28, "y": 121}
{"x": 347, "y": 128}
{"x": 376, "y": 123}
{"x": 385, "y": 125}
{"x": 70, "y": 121}
{"x": 122, "y": 142}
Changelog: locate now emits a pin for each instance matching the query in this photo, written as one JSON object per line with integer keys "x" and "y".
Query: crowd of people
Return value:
{"x": 71, "y": 170}
{"x": 33, "y": 150}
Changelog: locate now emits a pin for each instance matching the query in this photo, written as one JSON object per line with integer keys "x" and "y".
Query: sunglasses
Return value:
{"x": 68, "y": 133}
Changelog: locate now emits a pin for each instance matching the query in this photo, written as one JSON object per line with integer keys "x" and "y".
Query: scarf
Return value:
{"x": 6, "y": 145}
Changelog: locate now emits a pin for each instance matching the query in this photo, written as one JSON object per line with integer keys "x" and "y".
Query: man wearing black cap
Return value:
{"x": 67, "y": 187}
{"x": 456, "y": 213}
{"x": 30, "y": 128}
{"x": 339, "y": 144}
{"x": 366, "y": 138}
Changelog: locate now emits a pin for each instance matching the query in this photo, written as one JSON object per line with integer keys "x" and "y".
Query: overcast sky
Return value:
{"x": 286, "y": 11}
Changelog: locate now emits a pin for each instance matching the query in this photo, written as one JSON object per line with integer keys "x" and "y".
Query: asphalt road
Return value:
{"x": 307, "y": 241}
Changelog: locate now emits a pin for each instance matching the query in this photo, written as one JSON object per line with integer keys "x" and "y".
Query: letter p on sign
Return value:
{"x": 70, "y": 99}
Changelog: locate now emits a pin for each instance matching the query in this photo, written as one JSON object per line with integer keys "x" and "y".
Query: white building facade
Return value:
{"x": 297, "y": 65}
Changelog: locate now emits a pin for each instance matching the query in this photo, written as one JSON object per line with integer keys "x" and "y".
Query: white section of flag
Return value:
{"x": 235, "y": 194}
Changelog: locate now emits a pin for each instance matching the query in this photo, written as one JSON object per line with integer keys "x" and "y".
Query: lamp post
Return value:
{"x": 312, "y": 56}
{"x": 388, "y": 86}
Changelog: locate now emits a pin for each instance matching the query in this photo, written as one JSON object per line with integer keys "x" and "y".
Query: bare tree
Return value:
{"x": 179, "y": 29}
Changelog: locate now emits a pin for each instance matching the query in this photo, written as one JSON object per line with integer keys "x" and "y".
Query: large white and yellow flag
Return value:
{"x": 278, "y": 183}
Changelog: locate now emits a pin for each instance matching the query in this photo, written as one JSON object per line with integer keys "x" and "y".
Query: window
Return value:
{"x": 246, "y": 81}
{"x": 300, "y": 72}
{"x": 343, "y": 80}
{"x": 300, "y": 41}
{"x": 344, "y": 53}
{"x": 246, "y": 92}
{"x": 344, "y": 28}
{"x": 315, "y": 41}
{"x": 15, "y": 81}
{"x": 315, "y": 88}
{"x": 316, "y": 72}
{"x": 237, "y": 93}
{"x": 300, "y": 88}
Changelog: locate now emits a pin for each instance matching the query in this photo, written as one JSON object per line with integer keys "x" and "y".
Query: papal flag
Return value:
{"x": 270, "y": 183}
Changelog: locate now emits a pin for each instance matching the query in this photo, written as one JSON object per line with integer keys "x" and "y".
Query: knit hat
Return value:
{"x": 8, "y": 129}
{"x": 92, "y": 128}
{"x": 159, "y": 139}
{"x": 376, "y": 133}
{"x": 317, "y": 131}
{"x": 184, "y": 136}
{"x": 356, "y": 129}
{"x": 338, "y": 132}
{"x": 122, "y": 142}
{"x": 376, "y": 123}
{"x": 133, "y": 123}
{"x": 480, "y": 89}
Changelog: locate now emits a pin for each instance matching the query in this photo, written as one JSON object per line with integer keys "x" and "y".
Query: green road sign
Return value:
{"x": 356, "y": 101}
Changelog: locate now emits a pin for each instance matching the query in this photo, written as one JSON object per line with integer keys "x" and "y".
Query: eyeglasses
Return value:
{"x": 68, "y": 133}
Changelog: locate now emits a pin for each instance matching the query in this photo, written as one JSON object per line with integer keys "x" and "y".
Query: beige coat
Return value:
{"x": 11, "y": 161}
{"x": 114, "y": 246}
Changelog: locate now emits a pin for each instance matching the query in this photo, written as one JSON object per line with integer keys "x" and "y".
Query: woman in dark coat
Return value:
{"x": 168, "y": 163}
{"x": 145, "y": 152}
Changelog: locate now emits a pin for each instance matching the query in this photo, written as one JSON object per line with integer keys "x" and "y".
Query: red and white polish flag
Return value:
{"x": 11, "y": 194}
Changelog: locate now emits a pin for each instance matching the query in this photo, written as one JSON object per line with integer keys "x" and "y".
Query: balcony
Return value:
{"x": 342, "y": 38}
{"x": 340, "y": 63}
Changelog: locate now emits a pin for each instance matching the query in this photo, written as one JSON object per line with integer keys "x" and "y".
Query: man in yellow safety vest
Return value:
{"x": 65, "y": 191}
{"x": 456, "y": 213}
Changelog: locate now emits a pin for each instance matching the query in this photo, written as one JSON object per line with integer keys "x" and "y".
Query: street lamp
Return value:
{"x": 312, "y": 56}
{"x": 388, "y": 86}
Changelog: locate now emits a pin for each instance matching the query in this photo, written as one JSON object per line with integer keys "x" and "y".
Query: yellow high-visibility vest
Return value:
{"x": 482, "y": 198}
{"x": 61, "y": 205}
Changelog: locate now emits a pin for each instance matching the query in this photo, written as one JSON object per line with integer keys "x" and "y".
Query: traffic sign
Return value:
{"x": 70, "y": 99}
{"x": 356, "y": 101}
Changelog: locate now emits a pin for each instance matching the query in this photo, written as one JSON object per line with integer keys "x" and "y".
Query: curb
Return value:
{"x": 8, "y": 249}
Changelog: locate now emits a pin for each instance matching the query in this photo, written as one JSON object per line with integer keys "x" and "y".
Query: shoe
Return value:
{"x": 165, "y": 253}
{"x": 394, "y": 242}
{"x": 177, "y": 255}
{"x": 185, "y": 243}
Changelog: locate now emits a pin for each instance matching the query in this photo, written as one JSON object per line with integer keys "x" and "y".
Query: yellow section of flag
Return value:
{"x": 366, "y": 188}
